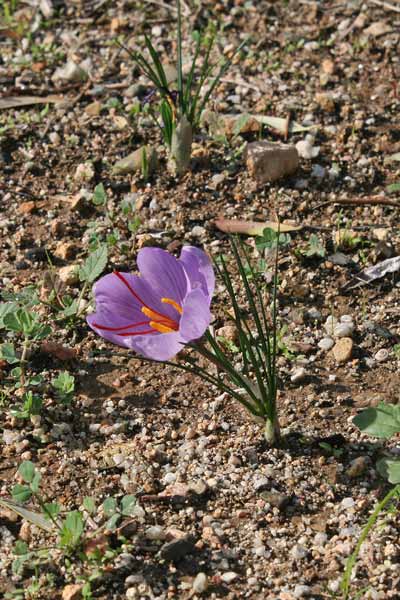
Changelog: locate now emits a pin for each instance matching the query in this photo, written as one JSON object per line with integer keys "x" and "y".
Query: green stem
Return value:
{"x": 23, "y": 361}
{"x": 272, "y": 432}
{"x": 225, "y": 365}
{"x": 345, "y": 584}
{"x": 80, "y": 298}
{"x": 47, "y": 512}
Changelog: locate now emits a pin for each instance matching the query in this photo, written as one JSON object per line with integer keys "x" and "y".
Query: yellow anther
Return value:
{"x": 150, "y": 313}
{"x": 161, "y": 328}
{"x": 172, "y": 303}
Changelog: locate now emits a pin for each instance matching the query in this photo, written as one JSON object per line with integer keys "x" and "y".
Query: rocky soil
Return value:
{"x": 219, "y": 514}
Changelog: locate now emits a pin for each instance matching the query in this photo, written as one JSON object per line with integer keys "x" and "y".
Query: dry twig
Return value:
{"x": 385, "y": 5}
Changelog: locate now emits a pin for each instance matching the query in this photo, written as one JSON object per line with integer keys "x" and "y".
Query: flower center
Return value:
{"x": 157, "y": 321}
{"x": 161, "y": 322}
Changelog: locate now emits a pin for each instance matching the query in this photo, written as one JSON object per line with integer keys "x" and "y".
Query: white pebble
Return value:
{"x": 298, "y": 375}
{"x": 346, "y": 319}
{"x": 153, "y": 205}
{"x": 118, "y": 459}
{"x": 381, "y": 355}
{"x": 155, "y": 533}
{"x": 200, "y": 583}
{"x": 10, "y": 437}
{"x": 54, "y": 137}
{"x": 229, "y": 577}
{"x": 326, "y": 344}
{"x": 334, "y": 585}
{"x": 347, "y": 503}
{"x": 198, "y": 231}
{"x": 320, "y": 539}
{"x": 169, "y": 478}
{"x": 330, "y": 324}
{"x": 298, "y": 552}
{"x": 343, "y": 330}
{"x": 300, "y": 591}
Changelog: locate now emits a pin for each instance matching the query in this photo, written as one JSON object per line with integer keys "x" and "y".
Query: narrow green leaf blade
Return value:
{"x": 29, "y": 515}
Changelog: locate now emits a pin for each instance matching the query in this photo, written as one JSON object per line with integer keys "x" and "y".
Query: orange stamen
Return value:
{"x": 158, "y": 321}
{"x": 172, "y": 303}
{"x": 161, "y": 328}
{"x": 164, "y": 324}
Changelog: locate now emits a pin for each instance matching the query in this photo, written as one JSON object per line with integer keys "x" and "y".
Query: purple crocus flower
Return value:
{"x": 159, "y": 311}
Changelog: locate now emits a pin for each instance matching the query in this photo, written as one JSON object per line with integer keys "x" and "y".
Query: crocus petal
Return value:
{"x": 196, "y": 316}
{"x": 115, "y": 297}
{"x": 162, "y": 346}
{"x": 119, "y": 302}
{"x": 99, "y": 318}
{"x": 164, "y": 273}
{"x": 199, "y": 269}
{"x": 123, "y": 297}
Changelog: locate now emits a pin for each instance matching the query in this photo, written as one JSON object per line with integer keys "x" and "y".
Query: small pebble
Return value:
{"x": 326, "y": 343}
{"x": 301, "y": 591}
{"x": 330, "y": 324}
{"x": 306, "y": 149}
{"x": 343, "y": 330}
{"x": 381, "y": 355}
{"x": 198, "y": 231}
{"x": 320, "y": 539}
{"x": 200, "y": 583}
{"x": 298, "y": 552}
{"x": 298, "y": 375}
{"x": 318, "y": 172}
{"x": 346, "y": 319}
{"x": 343, "y": 349}
{"x": 10, "y": 437}
{"x": 347, "y": 503}
{"x": 314, "y": 314}
{"x": 155, "y": 533}
{"x": 229, "y": 577}
{"x": 357, "y": 467}
{"x": 54, "y": 137}
{"x": 169, "y": 478}
{"x": 178, "y": 548}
